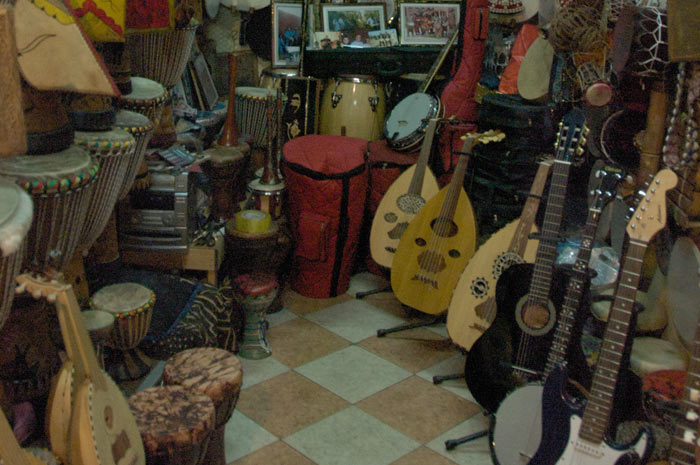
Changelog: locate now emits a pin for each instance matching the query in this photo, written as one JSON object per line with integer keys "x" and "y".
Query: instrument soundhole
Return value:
{"x": 420, "y": 242}
{"x": 454, "y": 253}
{"x": 390, "y": 217}
{"x": 410, "y": 203}
{"x": 109, "y": 416}
{"x": 480, "y": 287}
{"x": 444, "y": 227}
{"x": 535, "y": 316}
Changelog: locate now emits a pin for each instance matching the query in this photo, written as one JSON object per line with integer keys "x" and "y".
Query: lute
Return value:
{"x": 439, "y": 242}
{"x": 515, "y": 347}
{"x": 473, "y": 304}
{"x": 402, "y": 201}
{"x": 575, "y": 433}
{"x": 517, "y": 429}
{"x": 10, "y": 451}
{"x": 103, "y": 430}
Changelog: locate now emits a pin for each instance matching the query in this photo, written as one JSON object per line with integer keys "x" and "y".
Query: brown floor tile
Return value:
{"x": 388, "y": 301}
{"x": 287, "y": 403}
{"x": 300, "y": 341}
{"x": 297, "y": 303}
{"x": 277, "y": 453}
{"x": 423, "y": 456}
{"x": 419, "y": 409}
{"x": 413, "y": 350}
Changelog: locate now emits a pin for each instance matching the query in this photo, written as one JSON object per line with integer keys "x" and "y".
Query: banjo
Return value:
{"x": 405, "y": 127}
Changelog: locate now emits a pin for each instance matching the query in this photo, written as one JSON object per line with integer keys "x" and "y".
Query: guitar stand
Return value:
{"x": 439, "y": 379}
{"x": 362, "y": 295}
{"x": 452, "y": 443}
{"x": 437, "y": 319}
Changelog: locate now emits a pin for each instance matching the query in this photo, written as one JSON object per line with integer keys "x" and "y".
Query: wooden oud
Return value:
{"x": 473, "y": 305}
{"x": 401, "y": 202}
{"x": 439, "y": 241}
{"x": 10, "y": 451}
{"x": 102, "y": 429}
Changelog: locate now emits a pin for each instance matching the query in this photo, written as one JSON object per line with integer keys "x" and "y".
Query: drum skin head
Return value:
{"x": 684, "y": 289}
{"x": 405, "y": 117}
{"x": 9, "y": 200}
{"x": 533, "y": 77}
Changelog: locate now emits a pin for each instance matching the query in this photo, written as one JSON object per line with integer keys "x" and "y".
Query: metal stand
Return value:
{"x": 452, "y": 443}
{"x": 437, "y": 379}
{"x": 362, "y": 295}
{"x": 437, "y": 319}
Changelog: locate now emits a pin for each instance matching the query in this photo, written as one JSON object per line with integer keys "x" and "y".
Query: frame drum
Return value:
{"x": 251, "y": 113}
{"x": 15, "y": 219}
{"x": 353, "y": 106}
{"x": 406, "y": 124}
{"x": 139, "y": 126}
{"x": 114, "y": 149}
{"x": 61, "y": 186}
{"x": 146, "y": 97}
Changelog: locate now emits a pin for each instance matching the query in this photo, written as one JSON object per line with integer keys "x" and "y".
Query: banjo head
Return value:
{"x": 405, "y": 123}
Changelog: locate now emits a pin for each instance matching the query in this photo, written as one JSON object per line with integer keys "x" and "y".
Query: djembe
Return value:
{"x": 132, "y": 307}
{"x": 146, "y": 97}
{"x": 216, "y": 373}
{"x": 255, "y": 292}
{"x": 176, "y": 424}
{"x": 99, "y": 325}
{"x": 141, "y": 128}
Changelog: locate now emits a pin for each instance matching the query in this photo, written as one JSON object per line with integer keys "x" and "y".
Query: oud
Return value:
{"x": 574, "y": 433}
{"x": 439, "y": 242}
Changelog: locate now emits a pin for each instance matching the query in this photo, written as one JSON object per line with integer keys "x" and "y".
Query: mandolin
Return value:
{"x": 438, "y": 242}
{"x": 516, "y": 344}
{"x": 517, "y": 429}
{"x": 473, "y": 304}
{"x": 574, "y": 433}
{"x": 103, "y": 430}
{"x": 402, "y": 201}
{"x": 10, "y": 451}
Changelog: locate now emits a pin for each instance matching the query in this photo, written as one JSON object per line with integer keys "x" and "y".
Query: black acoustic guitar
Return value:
{"x": 515, "y": 347}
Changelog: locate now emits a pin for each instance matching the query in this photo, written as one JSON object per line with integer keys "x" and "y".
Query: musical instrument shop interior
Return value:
{"x": 306, "y": 232}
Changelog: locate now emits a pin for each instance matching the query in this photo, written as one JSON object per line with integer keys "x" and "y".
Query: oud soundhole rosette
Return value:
{"x": 504, "y": 261}
{"x": 410, "y": 203}
{"x": 480, "y": 287}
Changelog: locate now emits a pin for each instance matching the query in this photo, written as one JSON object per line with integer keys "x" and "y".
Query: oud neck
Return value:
{"x": 416, "y": 186}
{"x": 600, "y": 401}
{"x": 454, "y": 189}
{"x": 532, "y": 204}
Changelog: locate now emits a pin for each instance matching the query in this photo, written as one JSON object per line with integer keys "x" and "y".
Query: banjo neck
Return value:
{"x": 437, "y": 64}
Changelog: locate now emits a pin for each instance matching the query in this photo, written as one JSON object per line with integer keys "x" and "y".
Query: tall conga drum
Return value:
{"x": 60, "y": 185}
{"x": 353, "y": 106}
{"x": 216, "y": 373}
{"x": 16, "y": 212}
{"x": 176, "y": 424}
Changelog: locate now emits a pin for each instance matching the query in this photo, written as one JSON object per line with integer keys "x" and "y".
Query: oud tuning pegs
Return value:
{"x": 51, "y": 297}
{"x": 21, "y": 289}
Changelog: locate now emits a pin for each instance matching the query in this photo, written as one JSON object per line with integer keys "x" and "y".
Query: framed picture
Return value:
{"x": 353, "y": 21}
{"x": 428, "y": 23}
{"x": 286, "y": 33}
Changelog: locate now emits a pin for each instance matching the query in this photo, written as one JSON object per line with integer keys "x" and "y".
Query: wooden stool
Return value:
{"x": 176, "y": 424}
{"x": 216, "y": 373}
{"x": 255, "y": 292}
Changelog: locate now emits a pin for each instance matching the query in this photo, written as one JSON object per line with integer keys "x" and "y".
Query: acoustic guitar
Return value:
{"x": 402, "y": 201}
{"x": 517, "y": 429}
{"x": 515, "y": 346}
{"x": 574, "y": 432}
{"x": 439, "y": 242}
{"x": 10, "y": 451}
{"x": 103, "y": 430}
{"x": 473, "y": 305}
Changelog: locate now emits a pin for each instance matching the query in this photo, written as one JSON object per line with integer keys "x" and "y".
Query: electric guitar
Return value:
{"x": 515, "y": 346}
{"x": 103, "y": 430}
{"x": 574, "y": 433}
{"x": 517, "y": 429}
{"x": 473, "y": 304}
{"x": 439, "y": 241}
{"x": 401, "y": 202}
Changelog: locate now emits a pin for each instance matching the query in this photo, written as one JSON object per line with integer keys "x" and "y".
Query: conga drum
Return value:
{"x": 16, "y": 211}
{"x": 353, "y": 106}
{"x": 99, "y": 325}
{"x": 146, "y": 97}
{"x": 255, "y": 292}
{"x": 114, "y": 149}
{"x": 141, "y": 128}
{"x": 132, "y": 307}
{"x": 251, "y": 114}
{"x": 60, "y": 185}
{"x": 176, "y": 424}
{"x": 216, "y": 373}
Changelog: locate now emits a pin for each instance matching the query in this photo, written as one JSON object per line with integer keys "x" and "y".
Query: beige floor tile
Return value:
{"x": 413, "y": 350}
{"x": 419, "y": 409}
{"x": 288, "y": 403}
{"x": 299, "y": 341}
{"x": 277, "y": 453}
{"x": 297, "y": 303}
{"x": 423, "y": 456}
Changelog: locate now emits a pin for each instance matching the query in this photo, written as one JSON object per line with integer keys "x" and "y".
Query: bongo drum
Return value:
{"x": 146, "y": 97}
{"x": 251, "y": 107}
{"x": 216, "y": 373}
{"x": 132, "y": 307}
{"x": 353, "y": 106}
{"x": 99, "y": 325}
{"x": 114, "y": 149}
{"x": 141, "y": 128}
{"x": 255, "y": 292}
{"x": 267, "y": 197}
{"x": 175, "y": 422}
{"x": 272, "y": 78}
{"x": 161, "y": 55}
{"x": 60, "y": 185}
{"x": 15, "y": 219}
{"x": 407, "y": 122}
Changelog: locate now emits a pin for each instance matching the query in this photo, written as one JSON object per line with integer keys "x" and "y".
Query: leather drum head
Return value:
{"x": 684, "y": 289}
{"x": 533, "y": 77}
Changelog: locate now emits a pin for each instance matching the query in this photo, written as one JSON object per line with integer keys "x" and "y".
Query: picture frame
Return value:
{"x": 353, "y": 21}
{"x": 286, "y": 33}
{"x": 427, "y": 23}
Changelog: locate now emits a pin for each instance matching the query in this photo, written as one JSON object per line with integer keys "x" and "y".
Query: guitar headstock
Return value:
{"x": 608, "y": 178}
{"x": 40, "y": 286}
{"x": 650, "y": 216}
{"x": 571, "y": 136}
{"x": 473, "y": 138}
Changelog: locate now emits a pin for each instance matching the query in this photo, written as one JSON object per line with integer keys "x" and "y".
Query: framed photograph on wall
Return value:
{"x": 353, "y": 21}
{"x": 286, "y": 33}
{"x": 428, "y": 23}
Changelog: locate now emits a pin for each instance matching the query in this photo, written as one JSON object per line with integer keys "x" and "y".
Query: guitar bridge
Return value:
{"x": 425, "y": 280}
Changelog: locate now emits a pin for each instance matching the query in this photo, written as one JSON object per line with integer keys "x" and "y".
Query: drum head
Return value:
{"x": 122, "y": 297}
{"x": 145, "y": 89}
{"x": 254, "y": 92}
{"x": 533, "y": 76}
{"x": 684, "y": 289}
{"x": 104, "y": 140}
{"x": 16, "y": 210}
{"x": 9, "y": 201}
{"x": 407, "y": 115}
{"x": 133, "y": 122}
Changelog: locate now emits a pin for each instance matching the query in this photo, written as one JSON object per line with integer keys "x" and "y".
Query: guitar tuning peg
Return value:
{"x": 586, "y": 131}
{"x": 579, "y": 151}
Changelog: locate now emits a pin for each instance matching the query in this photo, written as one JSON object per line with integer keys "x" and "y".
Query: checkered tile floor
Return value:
{"x": 334, "y": 393}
